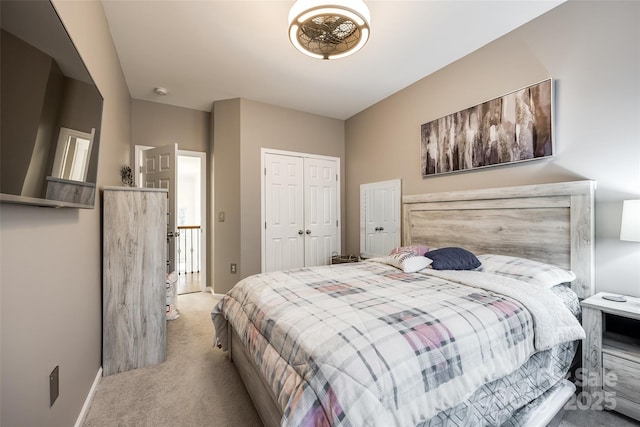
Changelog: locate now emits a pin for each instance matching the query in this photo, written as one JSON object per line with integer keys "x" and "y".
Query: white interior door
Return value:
{"x": 159, "y": 170}
{"x": 321, "y": 216}
{"x": 284, "y": 212}
{"x": 301, "y": 210}
{"x": 379, "y": 217}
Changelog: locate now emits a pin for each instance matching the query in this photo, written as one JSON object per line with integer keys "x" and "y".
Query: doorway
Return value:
{"x": 191, "y": 212}
{"x": 190, "y": 217}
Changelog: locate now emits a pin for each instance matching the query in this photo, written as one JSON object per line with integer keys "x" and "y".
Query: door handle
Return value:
{"x": 379, "y": 229}
{"x": 300, "y": 232}
{"x": 308, "y": 231}
{"x": 171, "y": 234}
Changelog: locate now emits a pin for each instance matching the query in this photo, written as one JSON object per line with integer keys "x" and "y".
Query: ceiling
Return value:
{"x": 209, "y": 50}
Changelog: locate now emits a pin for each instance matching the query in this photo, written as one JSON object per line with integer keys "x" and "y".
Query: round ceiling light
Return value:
{"x": 329, "y": 30}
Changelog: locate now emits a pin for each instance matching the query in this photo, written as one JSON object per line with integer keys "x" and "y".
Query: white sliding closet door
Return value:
{"x": 300, "y": 210}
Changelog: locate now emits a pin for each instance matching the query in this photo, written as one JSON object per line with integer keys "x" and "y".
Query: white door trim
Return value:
{"x": 263, "y": 152}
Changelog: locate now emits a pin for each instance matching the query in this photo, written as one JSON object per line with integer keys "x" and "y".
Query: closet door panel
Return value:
{"x": 284, "y": 212}
{"x": 301, "y": 210}
{"x": 368, "y": 220}
{"x": 379, "y": 217}
{"x": 387, "y": 218}
{"x": 321, "y": 214}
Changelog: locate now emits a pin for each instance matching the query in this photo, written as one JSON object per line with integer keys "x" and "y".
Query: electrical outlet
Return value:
{"x": 234, "y": 268}
{"x": 54, "y": 385}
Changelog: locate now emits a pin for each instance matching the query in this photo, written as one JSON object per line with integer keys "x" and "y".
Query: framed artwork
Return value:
{"x": 515, "y": 127}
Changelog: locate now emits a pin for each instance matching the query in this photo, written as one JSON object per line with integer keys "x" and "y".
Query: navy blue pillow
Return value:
{"x": 453, "y": 259}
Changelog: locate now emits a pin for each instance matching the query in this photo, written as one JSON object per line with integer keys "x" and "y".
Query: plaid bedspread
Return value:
{"x": 365, "y": 344}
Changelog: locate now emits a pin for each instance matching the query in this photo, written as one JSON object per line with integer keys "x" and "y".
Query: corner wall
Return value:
{"x": 592, "y": 51}
{"x": 50, "y": 275}
{"x": 225, "y": 193}
{"x": 248, "y": 126}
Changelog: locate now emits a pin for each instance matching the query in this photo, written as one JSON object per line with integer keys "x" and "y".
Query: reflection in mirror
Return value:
{"x": 72, "y": 154}
{"x": 51, "y": 111}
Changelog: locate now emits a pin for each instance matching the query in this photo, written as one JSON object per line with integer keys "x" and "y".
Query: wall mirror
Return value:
{"x": 51, "y": 111}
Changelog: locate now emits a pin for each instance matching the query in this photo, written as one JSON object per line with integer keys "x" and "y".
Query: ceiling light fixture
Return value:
{"x": 329, "y": 30}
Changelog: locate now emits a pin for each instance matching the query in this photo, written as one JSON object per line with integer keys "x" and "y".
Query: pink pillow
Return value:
{"x": 415, "y": 249}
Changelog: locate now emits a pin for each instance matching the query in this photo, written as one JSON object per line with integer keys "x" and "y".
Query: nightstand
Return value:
{"x": 611, "y": 355}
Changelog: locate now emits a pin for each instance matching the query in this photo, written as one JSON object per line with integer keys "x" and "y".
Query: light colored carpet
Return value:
{"x": 198, "y": 386}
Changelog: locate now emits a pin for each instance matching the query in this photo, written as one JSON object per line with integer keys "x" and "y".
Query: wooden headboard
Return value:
{"x": 551, "y": 223}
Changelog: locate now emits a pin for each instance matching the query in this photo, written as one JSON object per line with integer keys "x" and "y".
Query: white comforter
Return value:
{"x": 365, "y": 344}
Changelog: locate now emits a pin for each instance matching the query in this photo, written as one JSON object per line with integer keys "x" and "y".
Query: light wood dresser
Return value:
{"x": 133, "y": 278}
{"x": 611, "y": 354}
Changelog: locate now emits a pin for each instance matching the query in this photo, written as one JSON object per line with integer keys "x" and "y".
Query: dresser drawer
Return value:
{"x": 627, "y": 380}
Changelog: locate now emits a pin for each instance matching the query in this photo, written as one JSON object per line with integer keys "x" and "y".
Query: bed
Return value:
{"x": 377, "y": 343}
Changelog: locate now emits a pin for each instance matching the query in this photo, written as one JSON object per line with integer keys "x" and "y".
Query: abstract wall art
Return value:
{"x": 515, "y": 127}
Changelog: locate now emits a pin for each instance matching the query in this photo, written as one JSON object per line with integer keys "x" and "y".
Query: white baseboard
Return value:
{"x": 89, "y": 399}
{"x": 214, "y": 292}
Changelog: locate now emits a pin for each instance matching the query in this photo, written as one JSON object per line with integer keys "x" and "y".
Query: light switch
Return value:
{"x": 220, "y": 216}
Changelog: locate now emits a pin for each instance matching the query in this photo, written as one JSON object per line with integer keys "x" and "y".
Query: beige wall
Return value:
{"x": 225, "y": 192}
{"x": 249, "y": 126}
{"x": 50, "y": 282}
{"x": 592, "y": 50}
{"x": 157, "y": 124}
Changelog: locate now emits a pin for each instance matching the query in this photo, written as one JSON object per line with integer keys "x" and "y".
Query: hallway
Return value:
{"x": 188, "y": 283}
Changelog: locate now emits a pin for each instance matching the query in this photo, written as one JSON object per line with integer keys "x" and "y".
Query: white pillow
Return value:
{"x": 406, "y": 261}
{"x": 526, "y": 270}
{"x": 415, "y": 249}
